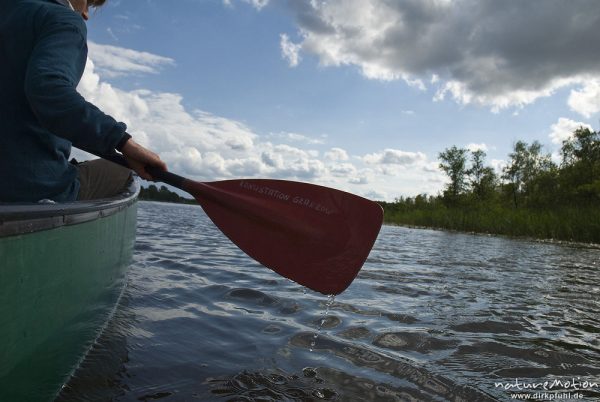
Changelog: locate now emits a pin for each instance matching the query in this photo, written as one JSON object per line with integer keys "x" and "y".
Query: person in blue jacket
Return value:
{"x": 43, "y": 52}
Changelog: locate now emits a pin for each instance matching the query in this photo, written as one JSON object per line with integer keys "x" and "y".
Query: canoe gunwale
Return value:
{"x": 19, "y": 219}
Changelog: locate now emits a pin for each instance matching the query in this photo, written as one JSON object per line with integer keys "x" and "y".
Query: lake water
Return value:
{"x": 432, "y": 316}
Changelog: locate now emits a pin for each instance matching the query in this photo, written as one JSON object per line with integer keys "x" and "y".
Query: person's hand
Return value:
{"x": 139, "y": 157}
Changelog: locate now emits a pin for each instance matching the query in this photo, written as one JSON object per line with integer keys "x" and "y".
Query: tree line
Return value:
{"x": 163, "y": 194}
{"x": 532, "y": 196}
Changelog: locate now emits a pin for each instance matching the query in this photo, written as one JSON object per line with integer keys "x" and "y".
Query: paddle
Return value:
{"x": 316, "y": 236}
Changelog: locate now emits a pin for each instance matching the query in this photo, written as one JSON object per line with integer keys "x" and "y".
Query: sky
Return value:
{"x": 359, "y": 95}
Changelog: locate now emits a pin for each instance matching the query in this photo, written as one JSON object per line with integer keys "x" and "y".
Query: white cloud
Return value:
{"x": 432, "y": 167}
{"x": 475, "y": 147}
{"x": 395, "y": 157}
{"x": 113, "y": 101}
{"x": 245, "y": 167}
{"x": 461, "y": 93}
{"x": 113, "y": 61}
{"x": 499, "y": 55}
{"x": 563, "y": 129}
{"x": 377, "y": 195}
{"x": 196, "y": 142}
{"x": 272, "y": 159}
{"x": 586, "y": 101}
{"x": 258, "y": 4}
{"x": 112, "y": 34}
{"x": 337, "y": 154}
{"x": 498, "y": 165}
{"x": 295, "y": 137}
{"x": 393, "y": 173}
{"x": 204, "y": 146}
{"x": 359, "y": 180}
{"x": 290, "y": 51}
{"x": 343, "y": 169}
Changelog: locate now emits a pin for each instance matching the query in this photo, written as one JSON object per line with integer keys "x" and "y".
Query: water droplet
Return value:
{"x": 328, "y": 304}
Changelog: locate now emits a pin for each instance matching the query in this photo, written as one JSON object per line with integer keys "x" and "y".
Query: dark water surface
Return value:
{"x": 433, "y": 316}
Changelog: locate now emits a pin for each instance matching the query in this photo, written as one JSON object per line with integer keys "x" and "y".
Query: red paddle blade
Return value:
{"x": 316, "y": 236}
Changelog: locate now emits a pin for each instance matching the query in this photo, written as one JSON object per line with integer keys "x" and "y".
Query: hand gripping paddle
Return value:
{"x": 316, "y": 236}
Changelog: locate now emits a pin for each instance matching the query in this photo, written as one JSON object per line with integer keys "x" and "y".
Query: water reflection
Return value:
{"x": 280, "y": 386}
{"x": 432, "y": 316}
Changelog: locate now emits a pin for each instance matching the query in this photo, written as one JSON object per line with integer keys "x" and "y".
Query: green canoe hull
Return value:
{"x": 59, "y": 284}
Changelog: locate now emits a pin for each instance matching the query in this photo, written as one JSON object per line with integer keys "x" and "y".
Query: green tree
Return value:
{"x": 453, "y": 161}
{"x": 525, "y": 163}
{"x": 580, "y": 173}
{"x": 582, "y": 147}
{"x": 554, "y": 202}
{"x": 482, "y": 178}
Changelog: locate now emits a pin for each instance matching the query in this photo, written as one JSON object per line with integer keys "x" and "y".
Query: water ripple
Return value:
{"x": 433, "y": 316}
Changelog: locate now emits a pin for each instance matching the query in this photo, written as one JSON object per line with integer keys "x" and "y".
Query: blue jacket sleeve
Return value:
{"x": 55, "y": 67}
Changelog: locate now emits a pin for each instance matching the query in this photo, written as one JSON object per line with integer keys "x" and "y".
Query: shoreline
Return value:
{"x": 173, "y": 198}
{"x": 490, "y": 234}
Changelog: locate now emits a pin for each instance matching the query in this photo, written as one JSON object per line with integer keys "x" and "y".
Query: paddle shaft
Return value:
{"x": 200, "y": 189}
{"x": 158, "y": 174}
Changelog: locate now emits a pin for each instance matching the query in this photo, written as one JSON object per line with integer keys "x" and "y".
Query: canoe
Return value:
{"x": 62, "y": 270}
